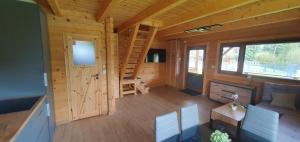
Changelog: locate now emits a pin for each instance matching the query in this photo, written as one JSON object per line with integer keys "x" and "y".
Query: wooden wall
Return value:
{"x": 154, "y": 73}
{"x": 177, "y": 53}
{"x": 79, "y": 23}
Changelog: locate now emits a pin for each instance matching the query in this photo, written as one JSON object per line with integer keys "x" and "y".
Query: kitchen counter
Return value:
{"x": 11, "y": 124}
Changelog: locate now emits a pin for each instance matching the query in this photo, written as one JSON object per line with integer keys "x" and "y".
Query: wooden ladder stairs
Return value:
{"x": 140, "y": 40}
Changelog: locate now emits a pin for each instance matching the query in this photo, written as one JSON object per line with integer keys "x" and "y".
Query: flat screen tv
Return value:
{"x": 156, "y": 56}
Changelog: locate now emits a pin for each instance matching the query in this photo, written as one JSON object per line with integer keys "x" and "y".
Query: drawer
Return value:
{"x": 230, "y": 89}
{"x": 214, "y": 96}
{"x": 215, "y": 84}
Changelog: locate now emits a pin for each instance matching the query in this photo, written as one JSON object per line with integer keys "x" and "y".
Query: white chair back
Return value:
{"x": 166, "y": 126}
{"x": 261, "y": 122}
{"x": 189, "y": 117}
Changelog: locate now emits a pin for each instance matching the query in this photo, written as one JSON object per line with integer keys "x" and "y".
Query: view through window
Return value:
{"x": 275, "y": 60}
{"x": 230, "y": 59}
{"x": 196, "y": 61}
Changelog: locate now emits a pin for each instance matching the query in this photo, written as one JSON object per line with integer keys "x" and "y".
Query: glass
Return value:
{"x": 230, "y": 59}
{"x": 196, "y": 61}
{"x": 84, "y": 53}
{"x": 155, "y": 57}
{"x": 274, "y": 60}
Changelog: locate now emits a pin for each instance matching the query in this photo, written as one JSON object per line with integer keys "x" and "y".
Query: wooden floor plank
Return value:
{"x": 134, "y": 119}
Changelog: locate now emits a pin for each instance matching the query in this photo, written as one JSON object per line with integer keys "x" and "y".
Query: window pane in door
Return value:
{"x": 230, "y": 59}
{"x": 84, "y": 53}
{"x": 196, "y": 61}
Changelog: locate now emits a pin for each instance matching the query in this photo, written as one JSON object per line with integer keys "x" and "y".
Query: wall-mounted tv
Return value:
{"x": 156, "y": 56}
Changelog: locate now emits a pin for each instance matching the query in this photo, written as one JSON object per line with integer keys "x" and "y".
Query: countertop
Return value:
{"x": 11, "y": 124}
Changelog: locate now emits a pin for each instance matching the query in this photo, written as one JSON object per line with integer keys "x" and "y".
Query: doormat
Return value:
{"x": 190, "y": 92}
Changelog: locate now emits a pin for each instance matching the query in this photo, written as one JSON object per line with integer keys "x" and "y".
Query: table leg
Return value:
{"x": 238, "y": 130}
{"x": 210, "y": 121}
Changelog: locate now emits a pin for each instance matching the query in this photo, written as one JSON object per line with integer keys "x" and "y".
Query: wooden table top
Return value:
{"x": 226, "y": 110}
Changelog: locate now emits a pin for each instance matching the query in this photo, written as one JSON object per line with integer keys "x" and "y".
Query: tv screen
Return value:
{"x": 156, "y": 56}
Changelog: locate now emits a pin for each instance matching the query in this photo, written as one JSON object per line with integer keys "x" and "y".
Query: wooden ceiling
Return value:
{"x": 176, "y": 16}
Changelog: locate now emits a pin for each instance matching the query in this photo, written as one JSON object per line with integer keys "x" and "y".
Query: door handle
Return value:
{"x": 96, "y": 76}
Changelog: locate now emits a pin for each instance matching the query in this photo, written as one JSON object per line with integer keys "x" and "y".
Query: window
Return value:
{"x": 230, "y": 58}
{"x": 278, "y": 60}
{"x": 84, "y": 53}
{"x": 274, "y": 60}
{"x": 196, "y": 62}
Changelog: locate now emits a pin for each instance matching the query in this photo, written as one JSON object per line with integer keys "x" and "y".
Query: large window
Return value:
{"x": 279, "y": 60}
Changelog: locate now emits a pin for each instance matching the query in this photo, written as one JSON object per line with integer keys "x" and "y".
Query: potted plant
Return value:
{"x": 218, "y": 136}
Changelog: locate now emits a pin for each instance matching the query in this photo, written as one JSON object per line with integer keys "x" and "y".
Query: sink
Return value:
{"x": 15, "y": 105}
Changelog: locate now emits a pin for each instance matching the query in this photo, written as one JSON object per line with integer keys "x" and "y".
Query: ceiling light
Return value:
{"x": 203, "y": 28}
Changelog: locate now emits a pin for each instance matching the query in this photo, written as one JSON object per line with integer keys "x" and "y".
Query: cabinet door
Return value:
{"x": 44, "y": 135}
{"x": 34, "y": 127}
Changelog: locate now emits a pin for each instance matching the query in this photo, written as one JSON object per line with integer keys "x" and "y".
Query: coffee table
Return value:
{"x": 226, "y": 114}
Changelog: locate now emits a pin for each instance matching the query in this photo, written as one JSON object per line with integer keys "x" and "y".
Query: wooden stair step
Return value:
{"x": 129, "y": 70}
{"x": 140, "y": 39}
{"x": 129, "y": 92}
{"x": 143, "y": 32}
{"x": 131, "y": 65}
{"x": 139, "y": 42}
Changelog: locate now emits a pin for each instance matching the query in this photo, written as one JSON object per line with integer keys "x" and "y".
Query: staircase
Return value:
{"x": 140, "y": 40}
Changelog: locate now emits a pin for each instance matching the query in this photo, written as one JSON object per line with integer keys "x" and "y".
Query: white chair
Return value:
{"x": 261, "y": 122}
{"x": 166, "y": 128}
{"x": 190, "y": 123}
{"x": 189, "y": 117}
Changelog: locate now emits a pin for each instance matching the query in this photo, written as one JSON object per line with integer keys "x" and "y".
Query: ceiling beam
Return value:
{"x": 55, "y": 7}
{"x": 104, "y": 9}
{"x": 151, "y": 11}
{"x": 256, "y": 9}
{"x": 284, "y": 16}
{"x": 211, "y": 8}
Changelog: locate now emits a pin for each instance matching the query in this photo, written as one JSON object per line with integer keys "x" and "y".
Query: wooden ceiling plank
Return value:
{"x": 104, "y": 10}
{"x": 146, "y": 48}
{"x": 260, "y": 8}
{"x": 55, "y": 7}
{"x": 284, "y": 16}
{"x": 151, "y": 11}
{"x": 211, "y": 8}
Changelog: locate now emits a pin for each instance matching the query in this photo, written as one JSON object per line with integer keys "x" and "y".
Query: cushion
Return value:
{"x": 286, "y": 100}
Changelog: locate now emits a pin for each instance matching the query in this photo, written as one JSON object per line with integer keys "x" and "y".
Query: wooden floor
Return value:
{"x": 134, "y": 119}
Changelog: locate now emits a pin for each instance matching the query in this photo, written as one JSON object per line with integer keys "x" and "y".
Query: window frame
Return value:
{"x": 240, "y": 58}
{"x": 242, "y": 52}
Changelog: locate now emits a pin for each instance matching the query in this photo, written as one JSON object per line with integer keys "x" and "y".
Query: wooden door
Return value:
{"x": 83, "y": 75}
{"x": 195, "y": 69}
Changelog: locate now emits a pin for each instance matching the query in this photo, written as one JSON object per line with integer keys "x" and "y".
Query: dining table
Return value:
{"x": 201, "y": 133}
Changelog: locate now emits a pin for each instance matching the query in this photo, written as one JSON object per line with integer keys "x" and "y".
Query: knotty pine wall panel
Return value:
{"x": 266, "y": 32}
{"x": 77, "y": 23}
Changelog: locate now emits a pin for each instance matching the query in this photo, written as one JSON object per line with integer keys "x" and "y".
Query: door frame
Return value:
{"x": 188, "y": 48}
{"x": 97, "y": 39}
